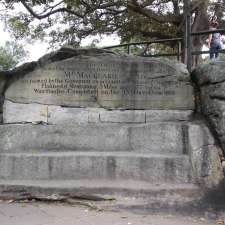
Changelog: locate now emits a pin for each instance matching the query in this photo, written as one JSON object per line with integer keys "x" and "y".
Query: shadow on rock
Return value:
{"x": 212, "y": 205}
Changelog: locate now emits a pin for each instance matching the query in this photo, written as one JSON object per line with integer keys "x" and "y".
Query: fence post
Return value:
{"x": 128, "y": 49}
{"x": 188, "y": 42}
{"x": 179, "y": 51}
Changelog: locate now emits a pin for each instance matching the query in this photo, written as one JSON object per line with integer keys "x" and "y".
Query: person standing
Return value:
{"x": 214, "y": 42}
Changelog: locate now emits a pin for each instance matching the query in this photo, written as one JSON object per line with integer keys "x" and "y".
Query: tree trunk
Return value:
{"x": 200, "y": 23}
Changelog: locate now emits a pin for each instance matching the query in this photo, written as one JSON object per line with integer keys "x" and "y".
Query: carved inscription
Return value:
{"x": 103, "y": 79}
{"x": 109, "y": 84}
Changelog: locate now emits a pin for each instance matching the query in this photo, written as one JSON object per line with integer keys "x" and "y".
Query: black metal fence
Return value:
{"x": 185, "y": 54}
{"x": 177, "y": 41}
{"x": 206, "y": 32}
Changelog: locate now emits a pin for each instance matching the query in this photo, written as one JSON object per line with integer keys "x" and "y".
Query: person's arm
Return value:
{"x": 209, "y": 40}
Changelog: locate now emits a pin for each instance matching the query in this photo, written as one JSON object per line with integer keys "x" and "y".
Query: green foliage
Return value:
{"x": 11, "y": 54}
{"x": 18, "y": 26}
{"x": 67, "y": 22}
{"x": 22, "y": 29}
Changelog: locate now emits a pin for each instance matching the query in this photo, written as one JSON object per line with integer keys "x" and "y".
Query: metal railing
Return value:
{"x": 191, "y": 53}
{"x": 187, "y": 52}
{"x": 178, "y": 42}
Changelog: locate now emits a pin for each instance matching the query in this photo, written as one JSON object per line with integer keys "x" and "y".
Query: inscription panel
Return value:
{"x": 100, "y": 82}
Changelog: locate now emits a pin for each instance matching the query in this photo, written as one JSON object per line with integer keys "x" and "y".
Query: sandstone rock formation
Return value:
{"x": 110, "y": 124}
{"x": 2, "y": 89}
{"x": 102, "y": 79}
{"x": 210, "y": 79}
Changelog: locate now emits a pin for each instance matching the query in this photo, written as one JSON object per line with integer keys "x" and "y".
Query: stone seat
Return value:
{"x": 153, "y": 137}
{"x": 155, "y": 153}
{"x": 96, "y": 165}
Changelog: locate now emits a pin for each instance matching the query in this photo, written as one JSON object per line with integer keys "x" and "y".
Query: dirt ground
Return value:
{"x": 38, "y": 213}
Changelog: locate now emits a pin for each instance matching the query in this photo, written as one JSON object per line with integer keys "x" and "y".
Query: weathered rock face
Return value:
{"x": 2, "y": 88}
{"x": 103, "y": 79}
{"x": 211, "y": 81}
{"x": 203, "y": 151}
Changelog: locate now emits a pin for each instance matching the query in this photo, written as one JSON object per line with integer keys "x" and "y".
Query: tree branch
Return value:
{"x": 135, "y": 7}
{"x": 38, "y": 16}
{"x": 176, "y": 7}
{"x": 195, "y": 4}
{"x": 51, "y": 7}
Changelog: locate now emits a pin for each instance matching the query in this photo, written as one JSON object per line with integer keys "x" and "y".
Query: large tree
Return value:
{"x": 69, "y": 21}
{"x": 11, "y": 54}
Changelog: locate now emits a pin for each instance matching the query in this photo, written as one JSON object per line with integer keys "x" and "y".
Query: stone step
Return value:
{"x": 96, "y": 165}
{"x": 126, "y": 193}
{"x": 34, "y": 112}
{"x": 158, "y": 137}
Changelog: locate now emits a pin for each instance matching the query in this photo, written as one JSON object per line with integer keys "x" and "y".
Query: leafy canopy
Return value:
{"x": 11, "y": 54}
{"x": 69, "y": 21}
